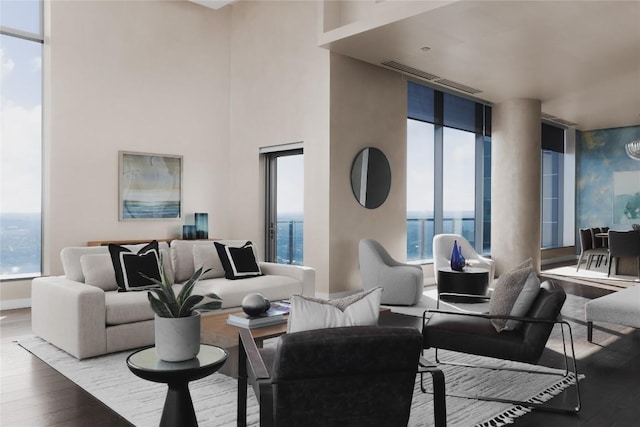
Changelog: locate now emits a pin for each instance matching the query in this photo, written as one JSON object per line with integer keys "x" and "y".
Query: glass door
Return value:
{"x": 284, "y": 213}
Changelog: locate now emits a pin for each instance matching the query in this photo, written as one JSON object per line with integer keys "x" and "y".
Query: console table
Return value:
{"x": 178, "y": 407}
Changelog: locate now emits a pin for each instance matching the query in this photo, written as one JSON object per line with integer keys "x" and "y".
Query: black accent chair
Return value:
{"x": 592, "y": 247}
{"x": 473, "y": 333}
{"x": 349, "y": 376}
{"x": 624, "y": 244}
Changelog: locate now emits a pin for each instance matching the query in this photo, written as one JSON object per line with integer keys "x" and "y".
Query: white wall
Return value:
{"x": 279, "y": 95}
{"x": 137, "y": 76}
{"x": 214, "y": 86}
{"x": 368, "y": 109}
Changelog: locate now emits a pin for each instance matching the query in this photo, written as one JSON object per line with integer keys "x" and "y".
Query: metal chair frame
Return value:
{"x": 535, "y": 405}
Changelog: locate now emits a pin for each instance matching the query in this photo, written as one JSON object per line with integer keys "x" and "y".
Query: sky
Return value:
{"x": 20, "y": 110}
{"x": 290, "y": 181}
{"x": 458, "y": 165}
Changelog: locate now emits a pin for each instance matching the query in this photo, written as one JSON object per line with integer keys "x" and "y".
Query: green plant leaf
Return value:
{"x": 187, "y": 306}
{"x": 209, "y": 306}
{"x": 158, "y": 306}
{"x": 187, "y": 289}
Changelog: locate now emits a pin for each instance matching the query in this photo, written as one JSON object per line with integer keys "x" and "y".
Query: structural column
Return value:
{"x": 515, "y": 183}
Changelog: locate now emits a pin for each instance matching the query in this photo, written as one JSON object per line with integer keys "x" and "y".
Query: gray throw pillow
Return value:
{"x": 514, "y": 293}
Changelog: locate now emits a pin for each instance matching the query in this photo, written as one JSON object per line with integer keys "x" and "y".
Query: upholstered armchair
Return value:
{"x": 474, "y": 333}
{"x": 442, "y": 246}
{"x": 403, "y": 284}
{"x": 348, "y": 376}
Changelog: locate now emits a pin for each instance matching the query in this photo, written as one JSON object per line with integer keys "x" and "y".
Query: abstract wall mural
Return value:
{"x": 607, "y": 179}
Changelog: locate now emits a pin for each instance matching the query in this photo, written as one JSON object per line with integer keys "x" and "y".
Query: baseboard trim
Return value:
{"x": 12, "y": 304}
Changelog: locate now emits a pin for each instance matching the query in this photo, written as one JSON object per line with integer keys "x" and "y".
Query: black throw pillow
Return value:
{"x": 238, "y": 263}
{"x": 131, "y": 267}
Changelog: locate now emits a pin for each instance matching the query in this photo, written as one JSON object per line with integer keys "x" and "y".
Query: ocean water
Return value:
{"x": 20, "y": 245}
{"x": 20, "y": 238}
{"x": 134, "y": 209}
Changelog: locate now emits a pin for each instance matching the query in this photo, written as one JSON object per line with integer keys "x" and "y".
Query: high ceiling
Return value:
{"x": 580, "y": 58}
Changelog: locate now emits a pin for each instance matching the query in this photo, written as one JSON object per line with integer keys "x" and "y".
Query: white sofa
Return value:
{"x": 82, "y": 314}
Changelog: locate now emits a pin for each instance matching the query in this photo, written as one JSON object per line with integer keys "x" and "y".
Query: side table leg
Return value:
{"x": 178, "y": 407}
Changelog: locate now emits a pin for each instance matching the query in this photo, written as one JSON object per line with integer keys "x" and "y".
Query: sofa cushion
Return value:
{"x": 206, "y": 256}
{"x": 98, "y": 271}
{"x": 361, "y": 309}
{"x": 271, "y": 286}
{"x": 135, "y": 270}
{"x": 70, "y": 257}
{"x": 238, "y": 263}
{"x": 129, "y": 307}
{"x": 182, "y": 255}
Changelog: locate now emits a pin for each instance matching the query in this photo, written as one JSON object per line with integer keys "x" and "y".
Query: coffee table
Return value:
{"x": 215, "y": 330}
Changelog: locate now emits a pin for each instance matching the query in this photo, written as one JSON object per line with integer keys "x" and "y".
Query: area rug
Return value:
{"x": 429, "y": 299}
{"x": 140, "y": 402}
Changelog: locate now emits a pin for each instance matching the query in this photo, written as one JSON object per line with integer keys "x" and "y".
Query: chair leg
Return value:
{"x": 242, "y": 386}
{"x": 579, "y": 261}
{"x": 439, "y": 397}
{"x": 590, "y": 331}
{"x": 609, "y": 267}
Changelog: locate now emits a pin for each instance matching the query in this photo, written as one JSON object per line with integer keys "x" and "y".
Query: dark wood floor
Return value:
{"x": 33, "y": 394}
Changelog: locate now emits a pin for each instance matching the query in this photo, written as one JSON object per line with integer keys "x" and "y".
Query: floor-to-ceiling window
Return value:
{"x": 285, "y": 206}
{"x": 21, "y": 42}
{"x": 552, "y": 200}
{"x": 448, "y": 170}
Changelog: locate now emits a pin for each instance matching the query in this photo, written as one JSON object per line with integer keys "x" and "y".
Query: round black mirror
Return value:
{"x": 370, "y": 177}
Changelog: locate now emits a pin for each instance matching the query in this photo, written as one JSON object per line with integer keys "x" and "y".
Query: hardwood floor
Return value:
{"x": 33, "y": 394}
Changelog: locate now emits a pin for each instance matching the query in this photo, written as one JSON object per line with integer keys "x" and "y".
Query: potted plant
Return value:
{"x": 177, "y": 317}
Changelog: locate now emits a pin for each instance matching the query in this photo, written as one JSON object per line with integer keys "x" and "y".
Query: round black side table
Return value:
{"x": 178, "y": 407}
{"x": 471, "y": 280}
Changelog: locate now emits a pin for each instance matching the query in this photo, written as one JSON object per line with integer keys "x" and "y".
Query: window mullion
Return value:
{"x": 438, "y": 179}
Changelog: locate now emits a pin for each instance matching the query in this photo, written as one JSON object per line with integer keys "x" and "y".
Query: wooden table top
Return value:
{"x": 216, "y": 330}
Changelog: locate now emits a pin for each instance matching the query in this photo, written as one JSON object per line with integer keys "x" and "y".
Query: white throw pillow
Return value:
{"x": 98, "y": 271}
{"x": 356, "y": 310}
{"x": 207, "y": 256}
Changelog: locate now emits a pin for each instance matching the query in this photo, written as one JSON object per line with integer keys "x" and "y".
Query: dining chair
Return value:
{"x": 624, "y": 244}
{"x": 587, "y": 240}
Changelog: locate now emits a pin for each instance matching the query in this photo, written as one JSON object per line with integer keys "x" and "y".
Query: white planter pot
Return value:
{"x": 177, "y": 338}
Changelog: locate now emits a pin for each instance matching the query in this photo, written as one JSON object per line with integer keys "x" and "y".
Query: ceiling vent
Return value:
{"x": 431, "y": 77}
{"x": 458, "y": 86}
{"x": 558, "y": 120}
{"x": 410, "y": 70}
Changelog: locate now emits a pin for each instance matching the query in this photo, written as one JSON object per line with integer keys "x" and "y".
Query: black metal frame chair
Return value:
{"x": 473, "y": 333}
{"x": 355, "y": 376}
{"x": 590, "y": 249}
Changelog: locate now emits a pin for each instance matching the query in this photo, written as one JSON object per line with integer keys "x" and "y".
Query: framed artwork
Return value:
{"x": 626, "y": 197}
{"x": 150, "y": 186}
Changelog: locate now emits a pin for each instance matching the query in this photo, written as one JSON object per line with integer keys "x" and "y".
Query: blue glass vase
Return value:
{"x": 202, "y": 225}
{"x": 457, "y": 260}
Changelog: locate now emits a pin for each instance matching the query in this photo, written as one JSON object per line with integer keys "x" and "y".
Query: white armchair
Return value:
{"x": 402, "y": 284}
{"x": 442, "y": 246}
